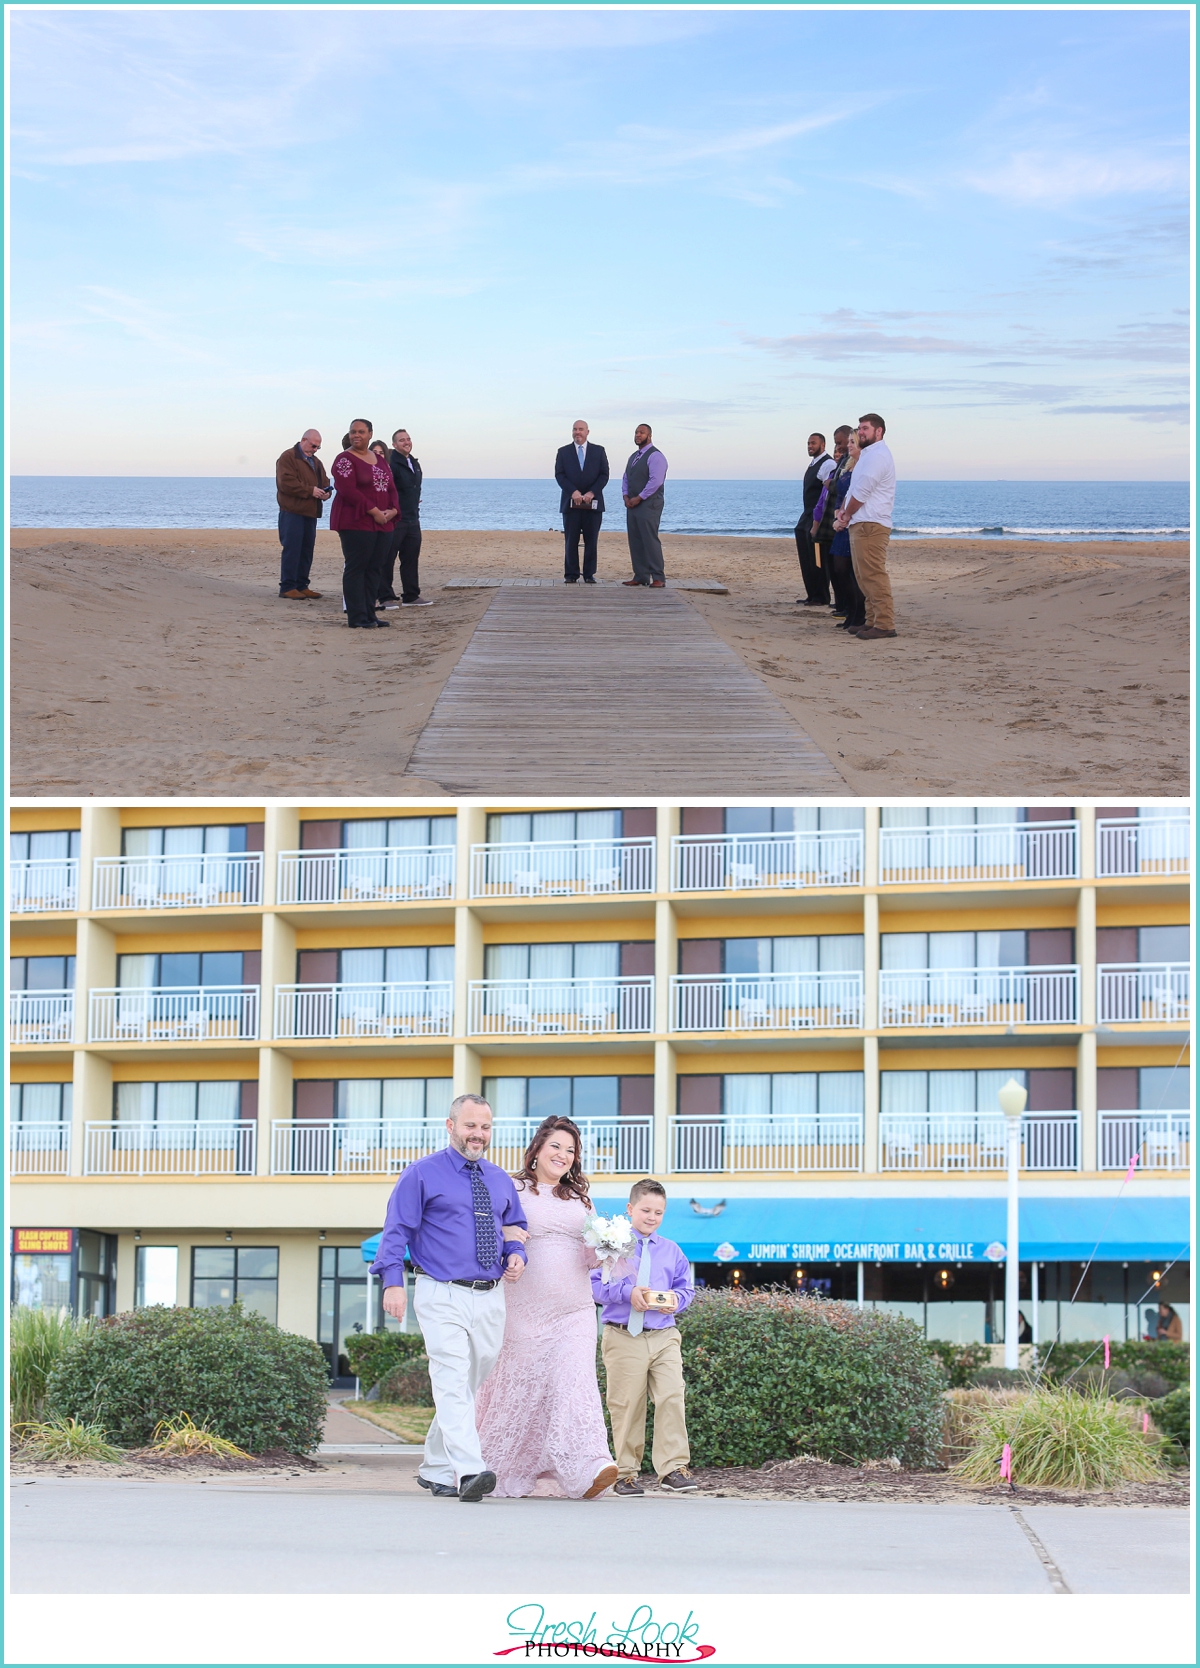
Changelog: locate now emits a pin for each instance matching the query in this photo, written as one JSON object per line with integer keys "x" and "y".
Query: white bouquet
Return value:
{"x": 611, "y": 1238}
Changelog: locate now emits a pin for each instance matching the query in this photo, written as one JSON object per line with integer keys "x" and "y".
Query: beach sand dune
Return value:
{"x": 161, "y": 662}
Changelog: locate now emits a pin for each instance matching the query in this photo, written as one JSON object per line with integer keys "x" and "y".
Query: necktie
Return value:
{"x": 636, "y": 1316}
{"x": 486, "y": 1247}
{"x": 579, "y": 449}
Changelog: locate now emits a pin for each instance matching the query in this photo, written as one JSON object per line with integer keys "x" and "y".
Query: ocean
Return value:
{"x": 738, "y": 509}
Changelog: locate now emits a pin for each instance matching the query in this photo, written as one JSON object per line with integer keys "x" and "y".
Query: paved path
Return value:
{"x": 581, "y": 689}
{"x": 297, "y": 1536}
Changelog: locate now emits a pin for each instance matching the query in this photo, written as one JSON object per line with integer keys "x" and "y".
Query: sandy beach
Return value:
{"x": 162, "y": 662}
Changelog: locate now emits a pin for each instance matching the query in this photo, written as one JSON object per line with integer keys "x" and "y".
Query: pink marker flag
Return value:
{"x": 1132, "y": 1167}
{"x": 1107, "y": 1354}
{"x": 1006, "y": 1463}
{"x": 1145, "y": 1424}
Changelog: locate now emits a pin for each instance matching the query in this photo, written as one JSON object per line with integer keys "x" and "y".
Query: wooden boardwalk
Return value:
{"x": 584, "y": 690}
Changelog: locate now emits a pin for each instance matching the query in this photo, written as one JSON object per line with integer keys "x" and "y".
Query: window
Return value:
{"x": 214, "y": 838}
{"x": 189, "y": 969}
{"x": 814, "y": 1097}
{"x": 416, "y": 1100}
{"x": 824, "y": 953}
{"x": 342, "y": 1306}
{"x": 378, "y": 834}
{"x": 521, "y": 827}
{"x": 42, "y": 1280}
{"x": 174, "y": 1103}
{"x": 47, "y": 846}
{"x": 912, "y": 951}
{"x": 97, "y": 1274}
{"x": 959, "y": 816}
{"x": 156, "y": 1276}
{"x": 569, "y": 1097}
{"x": 1164, "y": 1088}
{"x": 768, "y": 819}
{"x": 41, "y": 1103}
{"x": 225, "y": 1274}
{"x": 41, "y": 973}
{"x": 1164, "y": 944}
{"x": 916, "y": 1093}
{"x": 552, "y": 961}
{"x": 404, "y": 964}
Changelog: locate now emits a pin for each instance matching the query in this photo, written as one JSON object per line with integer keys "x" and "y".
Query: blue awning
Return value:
{"x": 842, "y": 1230}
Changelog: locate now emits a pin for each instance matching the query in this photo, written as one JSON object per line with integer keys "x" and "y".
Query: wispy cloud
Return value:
{"x": 1180, "y": 413}
{"x": 1055, "y": 177}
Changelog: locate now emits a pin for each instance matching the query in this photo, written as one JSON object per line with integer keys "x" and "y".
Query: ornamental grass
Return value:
{"x": 64, "y": 1439}
{"x": 37, "y": 1340}
{"x": 1062, "y": 1439}
{"x": 180, "y": 1438}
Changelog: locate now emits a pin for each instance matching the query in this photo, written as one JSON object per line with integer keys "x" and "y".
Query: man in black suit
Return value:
{"x": 815, "y": 574}
{"x": 581, "y": 470}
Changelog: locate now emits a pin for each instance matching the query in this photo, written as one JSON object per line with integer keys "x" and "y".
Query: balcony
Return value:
{"x": 562, "y": 868}
{"x": 983, "y": 851}
{"x": 169, "y": 1149}
{"x": 764, "y": 1145}
{"x": 417, "y": 1009}
{"x": 39, "y": 884}
{"x": 546, "y": 1007}
{"x": 39, "y": 1149}
{"x": 331, "y": 1147}
{"x": 1159, "y": 1140}
{"x": 1128, "y": 992}
{"x": 190, "y": 881}
{"x": 378, "y": 874}
{"x": 979, "y": 996}
{"x": 1143, "y": 846}
{"x": 951, "y": 1141}
{"x": 756, "y": 862}
{"x": 41, "y": 1016}
{"x": 766, "y": 1001}
{"x": 174, "y": 1013}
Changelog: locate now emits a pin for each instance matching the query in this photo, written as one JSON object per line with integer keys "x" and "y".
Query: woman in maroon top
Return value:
{"x": 363, "y": 515}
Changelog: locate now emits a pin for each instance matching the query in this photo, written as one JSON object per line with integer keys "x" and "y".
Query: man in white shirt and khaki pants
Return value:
{"x": 867, "y": 513}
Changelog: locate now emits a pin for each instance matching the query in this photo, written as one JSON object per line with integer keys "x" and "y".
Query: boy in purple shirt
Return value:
{"x": 641, "y": 1349}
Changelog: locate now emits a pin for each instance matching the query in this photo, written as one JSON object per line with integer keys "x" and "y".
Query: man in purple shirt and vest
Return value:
{"x": 641, "y": 1348}
{"x": 455, "y": 1213}
{"x": 642, "y": 490}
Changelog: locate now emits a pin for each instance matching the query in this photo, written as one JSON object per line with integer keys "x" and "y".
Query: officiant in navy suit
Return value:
{"x": 581, "y": 470}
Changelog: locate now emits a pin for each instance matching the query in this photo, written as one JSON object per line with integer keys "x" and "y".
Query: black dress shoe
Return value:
{"x": 440, "y": 1491}
{"x": 589, "y": 581}
{"x": 476, "y": 1486}
{"x": 569, "y": 581}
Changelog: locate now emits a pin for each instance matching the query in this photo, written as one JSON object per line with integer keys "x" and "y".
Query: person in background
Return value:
{"x": 406, "y": 540}
{"x": 822, "y": 520}
{"x": 1170, "y": 1327}
{"x": 642, "y": 490}
{"x": 301, "y": 488}
{"x": 840, "y": 563}
{"x": 581, "y": 470}
{"x": 380, "y": 450}
{"x": 815, "y": 577}
{"x": 363, "y": 513}
{"x": 868, "y": 514}
{"x": 1024, "y": 1330}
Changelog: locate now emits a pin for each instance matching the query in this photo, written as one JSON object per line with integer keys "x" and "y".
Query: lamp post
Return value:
{"x": 1012, "y": 1098}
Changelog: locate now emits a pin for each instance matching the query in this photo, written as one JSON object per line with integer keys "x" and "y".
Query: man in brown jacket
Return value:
{"x": 302, "y": 486}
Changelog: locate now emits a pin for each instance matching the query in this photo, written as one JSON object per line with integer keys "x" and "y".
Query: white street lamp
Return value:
{"x": 1012, "y": 1098}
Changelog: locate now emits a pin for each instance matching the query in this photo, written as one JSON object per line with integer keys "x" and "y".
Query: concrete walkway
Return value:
{"x": 580, "y": 689}
{"x": 303, "y": 1536}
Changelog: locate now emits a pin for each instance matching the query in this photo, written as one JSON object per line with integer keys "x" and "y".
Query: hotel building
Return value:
{"x": 232, "y": 1026}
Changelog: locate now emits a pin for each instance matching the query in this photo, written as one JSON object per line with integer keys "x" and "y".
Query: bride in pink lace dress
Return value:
{"x": 541, "y": 1426}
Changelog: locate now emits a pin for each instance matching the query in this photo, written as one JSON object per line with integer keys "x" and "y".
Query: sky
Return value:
{"x": 480, "y": 224}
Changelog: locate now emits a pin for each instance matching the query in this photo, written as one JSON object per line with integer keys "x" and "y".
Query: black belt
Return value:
{"x": 472, "y": 1285}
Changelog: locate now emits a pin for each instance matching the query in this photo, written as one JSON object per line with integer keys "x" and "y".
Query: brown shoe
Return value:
{"x": 657, "y": 584}
{"x": 605, "y": 1478}
{"x": 294, "y": 596}
{"x": 868, "y": 634}
{"x": 679, "y": 1482}
{"x": 313, "y": 594}
{"x": 628, "y": 1485}
{"x": 633, "y": 581}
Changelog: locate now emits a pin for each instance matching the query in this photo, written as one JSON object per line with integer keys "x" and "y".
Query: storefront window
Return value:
{"x": 246, "y": 1274}
{"x": 157, "y": 1277}
{"x": 42, "y": 1282}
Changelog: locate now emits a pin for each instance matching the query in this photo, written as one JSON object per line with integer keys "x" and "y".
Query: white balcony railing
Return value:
{"x": 39, "y": 1149}
{"x": 766, "y": 1001}
{"x": 736, "y": 1146}
{"x": 41, "y": 1016}
{"x": 416, "y": 1009}
{"x": 539, "y": 1007}
{"x": 562, "y": 868}
{"x": 976, "y": 1141}
{"x": 170, "y": 1149}
{"x": 380, "y": 874}
{"x": 748, "y": 862}
{"x": 980, "y": 996}
{"x": 42, "y": 883}
{"x": 196, "y": 880}
{"x": 1143, "y": 845}
{"x": 332, "y": 1147}
{"x": 174, "y": 1013}
{"x": 1159, "y": 991}
{"x": 1160, "y": 1140}
{"x": 982, "y": 851}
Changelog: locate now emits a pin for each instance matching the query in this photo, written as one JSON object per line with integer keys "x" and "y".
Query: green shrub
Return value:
{"x": 771, "y": 1375}
{"x": 409, "y": 1384}
{"x": 1170, "y": 1361}
{"x": 231, "y": 1371}
{"x": 999, "y": 1378}
{"x": 372, "y": 1355}
{"x": 1060, "y": 1439}
{"x": 37, "y": 1339}
{"x": 1173, "y": 1416}
{"x": 961, "y": 1361}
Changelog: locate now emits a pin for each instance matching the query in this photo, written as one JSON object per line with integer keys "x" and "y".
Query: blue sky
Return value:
{"x": 481, "y": 224}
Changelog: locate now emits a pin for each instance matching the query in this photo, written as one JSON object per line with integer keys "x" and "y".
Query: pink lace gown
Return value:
{"x": 541, "y": 1426}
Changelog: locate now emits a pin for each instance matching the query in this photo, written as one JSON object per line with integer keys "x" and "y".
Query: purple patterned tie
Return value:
{"x": 487, "y": 1248}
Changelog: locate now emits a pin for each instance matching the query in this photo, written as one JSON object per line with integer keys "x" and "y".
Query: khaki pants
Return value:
{"x": 868, "y": 552}
{"x": 652, "y": 1362}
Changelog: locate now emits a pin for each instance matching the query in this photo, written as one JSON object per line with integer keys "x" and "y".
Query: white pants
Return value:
{"x": 463, "y": 1332}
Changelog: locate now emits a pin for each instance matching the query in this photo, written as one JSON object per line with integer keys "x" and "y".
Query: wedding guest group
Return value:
{"x": 581, "y": 471}
{"x": 301, "y": 488}
{"x": 845, "y": 525}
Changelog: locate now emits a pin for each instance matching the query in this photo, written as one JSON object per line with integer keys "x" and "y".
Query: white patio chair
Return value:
{"x": 606, "y": 879}
{"x": 742, "y": 874}
{"x": 594, "y": 1016}
{"x": 753, "y": 1014}
{"x": 527, "y": 883}
{"x": 144, "y": 894}
{"x": 1161, "y": 1147}
{"x": 517, "y": 1017}
{"x": 973, "y": 1010}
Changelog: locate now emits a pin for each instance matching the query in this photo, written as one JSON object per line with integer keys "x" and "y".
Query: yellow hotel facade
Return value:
{"x": 231, "y": 1026}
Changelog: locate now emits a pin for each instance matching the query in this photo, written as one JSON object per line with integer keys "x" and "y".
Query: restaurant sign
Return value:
{"x": 41, "y": 1242}
{"x": 862, "y": 1251}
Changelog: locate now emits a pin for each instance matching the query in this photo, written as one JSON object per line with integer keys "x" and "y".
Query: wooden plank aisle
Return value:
{"x": 583, "y": 690}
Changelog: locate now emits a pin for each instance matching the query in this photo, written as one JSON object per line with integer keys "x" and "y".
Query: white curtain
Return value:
{"x": 903, "y": 951}
{"x": 439, "y": 1092}
{"x": 506, "y": 1096}
{"x": 135, "y": 972}
{"x": 182, "y": 842}
{"x": 553, "y": 825}
{"x": 135, "y": 1103}
{"x": 404, "y": 1100}
{"x": 952, "y": 1091}
{"x": 748, "y": 1096}
{"x": 951, "y": 816}
{"x": 841, "y": 952}
{"x": 840, "y": 1094}
{"x": 43, "y": 1103}
{"x": 176, "y": 1103}
{"x": 363, "y": 967}
{"x": 794, "y": 1094}
{"x": 794, "y": 955}
{"x": 218, "y": 1103}
{"x": 551, "y": 961}
{"x": 598, "y": 825}
{"x": 143, "y": 842}
{"x": 509, "y": 828}
{"x": 951, "y": 949}
{"x": 988, "y": 1085}
{"x": 365, "y": 834}
{"x": 903, "y": 1094}
{"x": 840, "y": 819}
{"x": 358, "y": 1099}
{"x": 441, "y": 962}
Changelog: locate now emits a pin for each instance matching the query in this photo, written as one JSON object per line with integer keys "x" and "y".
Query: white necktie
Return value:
{"x": 579, "y": 449}
{"x": 636, "y": 1316}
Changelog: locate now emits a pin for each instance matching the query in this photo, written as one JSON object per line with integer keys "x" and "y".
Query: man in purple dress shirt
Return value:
{"x": 642, "y": 490}
{"x": 454, "y": 1212}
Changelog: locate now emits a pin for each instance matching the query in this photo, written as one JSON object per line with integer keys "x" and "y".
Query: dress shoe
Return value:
{"x": 588, "y": 581}
{"x": 477, "y": 1485}
{"x": 678, "y": 1482}
{"x": 633, "y": 581}
{"x": 312, "y": 594}
{"x": 294, "y": 596}
{"x": 658, "y": 584}
{"x": 868, "y": 634}
{"x": 569, "y": 581}
{"x": 809, "y": 602}
{"x": 628, "y": 1485}
{"x": 605, "y": 1478}
{"x": 440, "y": 1491}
